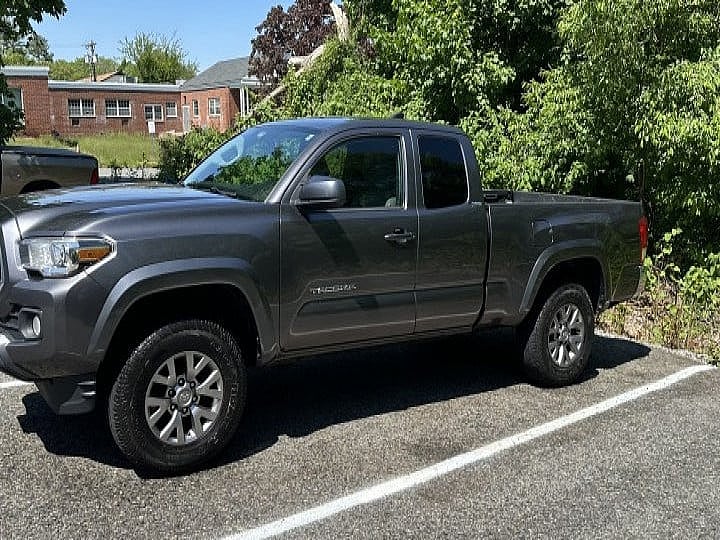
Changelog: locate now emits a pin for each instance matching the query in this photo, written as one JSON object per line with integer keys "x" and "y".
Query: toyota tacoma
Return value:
{"x": 149, "y": 302}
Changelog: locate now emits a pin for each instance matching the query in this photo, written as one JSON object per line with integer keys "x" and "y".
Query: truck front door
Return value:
{"x": 348, "y": 274}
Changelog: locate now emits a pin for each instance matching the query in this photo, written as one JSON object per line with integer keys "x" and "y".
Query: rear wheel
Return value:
{"x": 559, "y": 337}
{"x": 178, "y": 400}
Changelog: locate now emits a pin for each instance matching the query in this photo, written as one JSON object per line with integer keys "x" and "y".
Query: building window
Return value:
{"x": 171, "y": 109}
{"x": 14, "y": 100}
{"x": 214, "y": 106}
{"x": 196, "y": 108}
{"x": 81, "y": 107}
{"x": 115, "y": 108}
{"x": 154, "y": 113}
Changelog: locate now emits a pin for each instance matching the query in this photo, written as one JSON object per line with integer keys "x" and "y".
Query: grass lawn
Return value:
{"x": 111, "y": 150}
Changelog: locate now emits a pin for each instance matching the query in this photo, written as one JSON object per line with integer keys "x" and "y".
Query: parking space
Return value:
{"x": 329, "y": 427}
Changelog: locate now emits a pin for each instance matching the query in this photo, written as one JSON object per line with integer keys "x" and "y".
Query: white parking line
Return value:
{"x": 13, "y": 384}
{"x": 408, "y": 481}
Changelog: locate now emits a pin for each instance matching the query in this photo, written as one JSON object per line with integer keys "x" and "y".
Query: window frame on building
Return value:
{"x": 16, "y": 93}
{"x": 155, "y": 108}
{"x": 174, "y": 107}
{"x": 81, "y": 110}
{"x": 196, "y": 108}
{"x": 212, "y": 114}
{"x": 117, "y": 108}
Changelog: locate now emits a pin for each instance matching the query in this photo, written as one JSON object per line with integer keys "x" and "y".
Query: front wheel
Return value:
{"x": 178, "y": 400}
{"x": 559, "y": 337}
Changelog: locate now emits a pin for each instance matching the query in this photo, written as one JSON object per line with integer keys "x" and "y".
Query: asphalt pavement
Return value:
{"x": 324, "y": 431}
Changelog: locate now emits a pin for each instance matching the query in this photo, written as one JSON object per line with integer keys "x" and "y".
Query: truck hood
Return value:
{"x": 86, "y": 209}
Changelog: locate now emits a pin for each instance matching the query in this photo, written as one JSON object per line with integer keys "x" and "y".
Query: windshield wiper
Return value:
{"x": 226, "y": 192}
{"x": 213, "y": 188}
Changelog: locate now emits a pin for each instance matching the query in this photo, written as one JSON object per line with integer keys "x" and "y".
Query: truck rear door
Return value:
{"x": 453, "y": 232}
{"x": 348, "y": 274}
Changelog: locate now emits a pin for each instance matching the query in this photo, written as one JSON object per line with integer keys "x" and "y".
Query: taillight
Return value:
{"x": 643, "y": 229}
{"x": 94, "y": 177}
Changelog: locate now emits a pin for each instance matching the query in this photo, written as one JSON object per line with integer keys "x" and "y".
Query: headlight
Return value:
{"x": 62, "y": 257}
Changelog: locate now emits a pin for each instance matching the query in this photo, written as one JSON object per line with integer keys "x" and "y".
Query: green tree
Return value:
{"x": 28, "y": 50}
{"x": 633, "y": 107}
{"x": 458, "y": 57}
{"x": 73, "y": 70}
{"x": 154, "y": 58}
{"x": 16, "y": 18}
{"x": 341, "y": 83}
{"x": 649, "y": 71}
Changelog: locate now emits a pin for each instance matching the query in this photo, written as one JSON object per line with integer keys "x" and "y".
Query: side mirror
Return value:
{"x": 322, "y": 192}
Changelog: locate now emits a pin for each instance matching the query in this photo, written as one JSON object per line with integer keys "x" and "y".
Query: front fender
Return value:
{"x": 169, "y": 275}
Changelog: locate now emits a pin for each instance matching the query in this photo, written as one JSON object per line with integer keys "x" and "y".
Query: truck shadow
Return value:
{"x": 298, "y": 399}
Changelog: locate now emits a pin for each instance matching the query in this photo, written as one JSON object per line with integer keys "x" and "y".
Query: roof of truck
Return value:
{"x": 326, "y": 123}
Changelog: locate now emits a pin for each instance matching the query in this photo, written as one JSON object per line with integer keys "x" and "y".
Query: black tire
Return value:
{"x": 541, "y": 337}
{"x": 129, "y": 425}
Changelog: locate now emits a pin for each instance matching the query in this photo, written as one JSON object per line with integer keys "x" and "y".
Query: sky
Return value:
{"x": 209, "y": 31}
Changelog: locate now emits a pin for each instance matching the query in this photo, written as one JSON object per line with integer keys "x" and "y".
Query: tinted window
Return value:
{"x": 370, "y": 169}
{"x": 443, "y": 172}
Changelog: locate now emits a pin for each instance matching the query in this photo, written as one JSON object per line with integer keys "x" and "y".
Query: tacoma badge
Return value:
{"x": 331, "y": 289}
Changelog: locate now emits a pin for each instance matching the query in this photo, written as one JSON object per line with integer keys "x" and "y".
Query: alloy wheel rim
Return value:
{"x": 566, "y": 335}
{"x": 183, "y": 398}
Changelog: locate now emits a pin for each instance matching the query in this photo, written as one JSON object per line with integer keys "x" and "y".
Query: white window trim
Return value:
{"x": 211, "y": 114}
{"x": 117, "y": 107}
{"x": 22, "y": 98}
{"x": 3, "y": 100}
{"x": 194, "y": 103}
{"x": 154, "y": 119}
{"x": 82, "y": 111}
{"x": 167, "y": 114}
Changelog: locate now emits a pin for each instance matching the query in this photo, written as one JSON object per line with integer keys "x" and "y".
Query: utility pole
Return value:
{"x": 91, "y": 58}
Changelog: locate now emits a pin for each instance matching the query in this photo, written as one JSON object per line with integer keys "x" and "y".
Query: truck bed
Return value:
{"x": 528, "y": 229}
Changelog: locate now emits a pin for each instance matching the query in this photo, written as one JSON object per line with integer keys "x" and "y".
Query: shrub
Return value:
{"x": 678, "y": 309}
{"x": 178, "y": 155}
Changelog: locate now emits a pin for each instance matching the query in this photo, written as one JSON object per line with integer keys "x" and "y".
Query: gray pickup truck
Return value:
{"x": 24, "y": 169}
{"x": 293, "y": 238}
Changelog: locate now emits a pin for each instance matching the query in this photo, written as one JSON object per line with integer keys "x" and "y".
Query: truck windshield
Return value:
{"x": 250, "y": 164}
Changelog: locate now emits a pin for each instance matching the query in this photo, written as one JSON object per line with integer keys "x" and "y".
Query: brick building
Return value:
{"x": 218, "y": 94}
{"x": 213, "y": 98}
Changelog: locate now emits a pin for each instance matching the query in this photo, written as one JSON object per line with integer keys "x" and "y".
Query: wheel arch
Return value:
{"x": 39, "y": 185}
{"x": 161, "y": 293}
{"x": 575, "y": 263}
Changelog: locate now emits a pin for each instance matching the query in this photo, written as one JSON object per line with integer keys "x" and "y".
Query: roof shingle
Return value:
{"x": 226, "y": 73}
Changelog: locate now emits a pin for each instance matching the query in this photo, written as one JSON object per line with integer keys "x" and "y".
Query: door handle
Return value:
{"x": 400, "y": 236}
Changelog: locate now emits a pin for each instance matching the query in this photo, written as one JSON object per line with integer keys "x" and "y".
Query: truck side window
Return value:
{"x": 444, "y": 177}
{"x": 371, "y": 169}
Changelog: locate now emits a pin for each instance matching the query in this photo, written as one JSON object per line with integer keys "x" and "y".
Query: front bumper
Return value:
{"x": 69, "y": 395}
{"x": 67, "y": 309}
{"x": 73, "y": 394}
{"x": 58, "y": 360}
